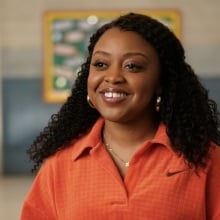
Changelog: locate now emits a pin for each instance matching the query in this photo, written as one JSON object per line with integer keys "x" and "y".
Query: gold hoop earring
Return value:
{"x": 89, "y": 102}
{"x": 158, "y": 102}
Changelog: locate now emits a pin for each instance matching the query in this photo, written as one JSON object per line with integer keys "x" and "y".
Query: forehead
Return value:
{"x": 116, "y": 39}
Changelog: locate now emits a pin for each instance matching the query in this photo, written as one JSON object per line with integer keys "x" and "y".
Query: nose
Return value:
{"x": 114, "y": 75}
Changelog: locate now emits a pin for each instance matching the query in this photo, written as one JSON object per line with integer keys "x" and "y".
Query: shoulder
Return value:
{"x": 65, "y": 156}
{"x": 215, "y": 152}
{"x": 214, "y": 157}
{"x": 73, "y": 150}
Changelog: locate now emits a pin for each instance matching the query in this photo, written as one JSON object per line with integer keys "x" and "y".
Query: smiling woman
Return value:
{"x": 138, "y": 138}
{"x": 124, "y": 78}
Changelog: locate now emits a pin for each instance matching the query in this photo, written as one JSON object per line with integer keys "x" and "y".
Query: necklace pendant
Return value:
{"x": 127, "y": 164}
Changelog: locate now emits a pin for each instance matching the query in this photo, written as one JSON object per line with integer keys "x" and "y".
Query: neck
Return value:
{"x": 122, "y": 140}
{"x": 129, "y": 136}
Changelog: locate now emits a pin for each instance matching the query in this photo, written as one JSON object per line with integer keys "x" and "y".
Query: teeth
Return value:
{"x": 114, "y": 95}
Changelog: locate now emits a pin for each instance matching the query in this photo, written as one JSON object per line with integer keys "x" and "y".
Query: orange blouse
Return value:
{"x": 81, "y": 182}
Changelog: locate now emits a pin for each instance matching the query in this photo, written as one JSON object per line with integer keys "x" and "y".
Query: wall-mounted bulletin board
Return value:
{"x": 66, "y": 37}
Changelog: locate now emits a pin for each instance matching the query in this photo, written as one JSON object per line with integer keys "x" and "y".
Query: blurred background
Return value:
{"x": 23, "y": 111}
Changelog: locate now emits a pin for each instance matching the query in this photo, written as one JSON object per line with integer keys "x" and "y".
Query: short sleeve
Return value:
{"x": 40, "y": 203}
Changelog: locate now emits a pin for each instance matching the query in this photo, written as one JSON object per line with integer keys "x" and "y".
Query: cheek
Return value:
{"x": 92, "y": 82}
{"x": 147, "y": 89}
{"x": 89, "y": 84}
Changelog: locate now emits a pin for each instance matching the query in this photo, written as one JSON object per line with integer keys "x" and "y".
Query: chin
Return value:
{"x": 115, "y": 118}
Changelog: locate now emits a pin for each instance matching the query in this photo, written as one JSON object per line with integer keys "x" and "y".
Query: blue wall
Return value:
{"x": 25, "y": 114}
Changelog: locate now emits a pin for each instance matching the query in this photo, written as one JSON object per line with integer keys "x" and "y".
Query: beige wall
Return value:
{"x": 22, "y": 30}
{"x": 1, "y": 115}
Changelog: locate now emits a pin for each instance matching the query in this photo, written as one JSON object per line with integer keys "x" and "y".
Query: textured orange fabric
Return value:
{"x": 81, "y": 182}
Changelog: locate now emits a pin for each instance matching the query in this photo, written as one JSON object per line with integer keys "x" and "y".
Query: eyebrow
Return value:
{"x": 125, "y": 55}
{"x": 101, "y": 53}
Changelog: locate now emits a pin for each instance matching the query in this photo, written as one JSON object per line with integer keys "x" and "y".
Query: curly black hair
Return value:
{"x": 191, "y": 118}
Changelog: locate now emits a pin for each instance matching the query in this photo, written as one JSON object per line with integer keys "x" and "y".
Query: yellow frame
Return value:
{"x": 55, "y": 19}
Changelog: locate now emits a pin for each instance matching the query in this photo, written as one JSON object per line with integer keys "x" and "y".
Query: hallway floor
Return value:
{"x": 13, "y": 190}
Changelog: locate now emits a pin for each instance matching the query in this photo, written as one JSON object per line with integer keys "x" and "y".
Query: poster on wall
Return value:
{"x": 65, "y": 39}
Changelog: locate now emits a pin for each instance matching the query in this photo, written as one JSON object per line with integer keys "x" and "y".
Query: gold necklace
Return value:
{"x": 125, "y": 163}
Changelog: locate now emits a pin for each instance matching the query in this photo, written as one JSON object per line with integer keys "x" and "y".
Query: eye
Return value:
{"x": 133, "y": 67}
{"x": 99, "y": 65}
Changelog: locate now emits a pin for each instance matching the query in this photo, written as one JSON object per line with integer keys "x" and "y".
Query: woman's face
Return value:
{"x": 124, "y": 76}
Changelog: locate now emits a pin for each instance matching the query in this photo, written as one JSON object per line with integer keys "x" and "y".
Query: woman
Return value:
{"x": 137, "y": 139}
